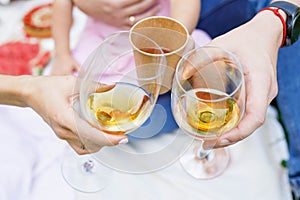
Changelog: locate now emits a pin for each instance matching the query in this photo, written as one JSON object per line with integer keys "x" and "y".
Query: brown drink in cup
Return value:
{"x": 173, "y": 39}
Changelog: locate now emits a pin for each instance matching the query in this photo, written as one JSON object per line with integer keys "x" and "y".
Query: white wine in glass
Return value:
{"x": 120, "y": 109}
{"x": 206, "y": 116}
{"x": 207, "y": 104}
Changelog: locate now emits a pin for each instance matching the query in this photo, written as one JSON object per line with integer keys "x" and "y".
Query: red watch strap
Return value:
{"x": 276, "y": 12}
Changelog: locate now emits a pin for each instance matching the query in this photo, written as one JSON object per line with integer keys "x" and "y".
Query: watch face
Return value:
{"x": 296, "y": 29}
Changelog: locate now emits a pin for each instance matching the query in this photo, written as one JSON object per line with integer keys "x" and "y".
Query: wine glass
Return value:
{"x": 206, "y": 105}
{"x": 118, "y": 86}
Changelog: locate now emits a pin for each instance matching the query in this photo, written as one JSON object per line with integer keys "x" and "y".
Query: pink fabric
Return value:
{"x": 95, "y": 32}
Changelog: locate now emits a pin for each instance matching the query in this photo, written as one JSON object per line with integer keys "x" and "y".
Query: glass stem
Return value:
{"x": 204, "y": 154}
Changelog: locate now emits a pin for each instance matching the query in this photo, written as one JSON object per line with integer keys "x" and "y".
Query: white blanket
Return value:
{"x": 31, "y": 158}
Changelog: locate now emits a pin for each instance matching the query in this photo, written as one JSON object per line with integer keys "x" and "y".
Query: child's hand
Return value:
{"x": 119, "y": 13}
{"x": 64, "y": 65}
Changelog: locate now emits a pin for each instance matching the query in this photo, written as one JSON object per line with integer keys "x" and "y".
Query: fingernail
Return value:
{"x": 224, "y": 142}
{"x": 123, "y": 141}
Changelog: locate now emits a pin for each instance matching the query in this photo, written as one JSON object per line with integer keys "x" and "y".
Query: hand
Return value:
{"x": 257, "y": 52}
{"x": 64, "y": 65}
{"x": 52, "y": 98}
{"x": 258, "y": 56}
{"x": 117, "y": 12}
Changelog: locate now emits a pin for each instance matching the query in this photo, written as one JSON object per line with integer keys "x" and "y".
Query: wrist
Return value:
{"x": 14, "y": 90}
{"x": 282, "y": 17}
{"x": 61, "y": 50}
{"x": 28, "y": 90}
{"x": 292, "y": 22}
{"x": 271, "y": 26}
{"x": 60, "y": 54}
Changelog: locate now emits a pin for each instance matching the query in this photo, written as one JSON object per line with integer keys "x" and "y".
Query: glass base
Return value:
{"x": 83, "y": 173}
{"x": 207, "y": 167}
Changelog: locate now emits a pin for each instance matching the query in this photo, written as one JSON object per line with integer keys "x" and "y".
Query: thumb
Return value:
{"x": 200, "y": 58}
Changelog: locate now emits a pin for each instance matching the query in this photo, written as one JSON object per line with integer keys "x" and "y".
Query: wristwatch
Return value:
{"x": 292, "y": 22}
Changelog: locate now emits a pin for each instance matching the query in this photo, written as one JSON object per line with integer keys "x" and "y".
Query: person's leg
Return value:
{"x": 288, "y": 103}
{"x": 220, "y": 16}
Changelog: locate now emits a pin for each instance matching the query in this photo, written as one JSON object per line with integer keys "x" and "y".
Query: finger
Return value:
{"x": 247, "y": 126}
{"x": 141, "y": 7}
{"x": 151, "y": 12}
{"x": 137, "y": 6}
{"x": 254, "y": 117}
{"x": 127, "y": 3}
{"x": 65, "y": 134}
{"x": 202, "y": 57}
{"x": 82, "y": 145}
{"x": 97, "y": 87}
{"x": 78, "y": 148}
{"x": 93, "y": 137}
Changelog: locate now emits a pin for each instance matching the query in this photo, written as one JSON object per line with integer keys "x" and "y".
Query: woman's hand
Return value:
{"x": 52, "y": 98}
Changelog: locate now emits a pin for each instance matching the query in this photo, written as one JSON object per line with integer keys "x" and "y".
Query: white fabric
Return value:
{"x": 31, "y": 155}
{"x": 30, "y": 158}
{"x": 254, "y": 173}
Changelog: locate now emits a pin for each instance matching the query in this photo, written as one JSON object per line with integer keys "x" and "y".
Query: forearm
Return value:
{"x": 14, "y": 90}
{"x": 62, "y": 23}
{"x": 270, "y": 25}
{"x": 186, "y": 12}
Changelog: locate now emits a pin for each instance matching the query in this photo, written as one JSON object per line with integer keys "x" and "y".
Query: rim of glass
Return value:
{"x": 185, "y": 57}
{"x": 169, "y": 18}
{"x": 163, "y": 62}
